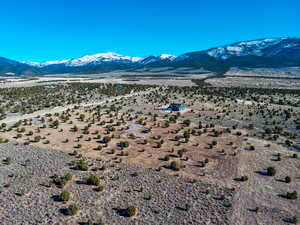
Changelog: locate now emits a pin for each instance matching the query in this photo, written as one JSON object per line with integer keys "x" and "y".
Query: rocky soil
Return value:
{"x": 27, "y": 195}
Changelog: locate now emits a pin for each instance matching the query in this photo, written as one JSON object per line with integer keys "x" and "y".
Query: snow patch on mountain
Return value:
{"x": 153, "y": 59}
{"x": 290, "y": 45}
{"x": 31, "y": 63}
{"x": 167, "y": 56}
{"x": 54, "y": 62}
{"x": 244, "y": 48}
{"x": 43, "y": 64}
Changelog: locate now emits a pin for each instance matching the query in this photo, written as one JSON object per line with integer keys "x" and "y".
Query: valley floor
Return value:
{"x": 205, "y": 165}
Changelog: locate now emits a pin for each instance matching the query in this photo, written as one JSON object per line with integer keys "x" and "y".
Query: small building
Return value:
{"x": 175, "y": 108}
{"x": 119, "y": 85}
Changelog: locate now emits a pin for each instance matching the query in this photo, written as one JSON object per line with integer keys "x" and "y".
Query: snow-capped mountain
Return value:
{"x": 102, "y": 58}
{"x": 262, "y": 53}
{"x": 155, "y": 59}
{"x": 43, "y": 64}
{"x": 108, "y": 57}
{"x": 12, "y": 67}
{"x": 244, "y": 48}
{"x": 269, "y": 53}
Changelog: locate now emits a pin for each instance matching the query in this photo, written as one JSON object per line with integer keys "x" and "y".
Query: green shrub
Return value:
{"x": 90, "y": 222}
{"x": 37, "y": 138}
{"x": 294, "y": 220}
{"x": 100, "y": 188}
{"x": 124, "y": 144}
{"x": 187, "y": 122}
{"x": 180, "y": 153}
{"x": 106, "y": 139}
{"x": 271, "y": 171}
{"x": 72, "y": 210}
{"x": 3, "y": 140}
{"x": 78, "y": 146}
{"x": 175, "y": 166}
{"x": 68, "y": 176}
{"x": 135, "y": 174}
{"x": 287, "y": 179}
{"x": 8, "y": 160}
{"x": 99, "y": 147}
{"x": 74, "y": 153}
{"x": 61, "y": 181}
{"x": 167, "y": 158}
{"x": 81, "y": 117}
{"x": 82, "y": 165}
{"x": 187, "y": 207}
{"x": 292, "y": 195}
{"x": 65, "y": 196}
{"x": 244, "y": 178}
{"x": 93, "y": 180}
{"x": 131, "y": 211}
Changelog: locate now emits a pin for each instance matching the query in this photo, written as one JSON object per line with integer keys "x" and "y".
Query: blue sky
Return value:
{"x": 39, "y": 30}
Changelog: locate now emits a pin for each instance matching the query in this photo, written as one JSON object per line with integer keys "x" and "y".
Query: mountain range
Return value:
{"x": 261, "y": 53}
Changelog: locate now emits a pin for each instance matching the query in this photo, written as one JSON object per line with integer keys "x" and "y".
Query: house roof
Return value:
{"x": 176, "y": 105}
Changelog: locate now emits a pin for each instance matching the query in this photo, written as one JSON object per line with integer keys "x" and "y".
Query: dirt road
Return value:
{"x": 15, "y": 118}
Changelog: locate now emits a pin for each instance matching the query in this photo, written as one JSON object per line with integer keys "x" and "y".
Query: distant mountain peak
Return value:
{"x": 43, "y": 64}
{"x": 89, "y": 59}
{"x": 244, "y": 48}
{"x": 167, "y": 56}
{"x": 101, "y": 58}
